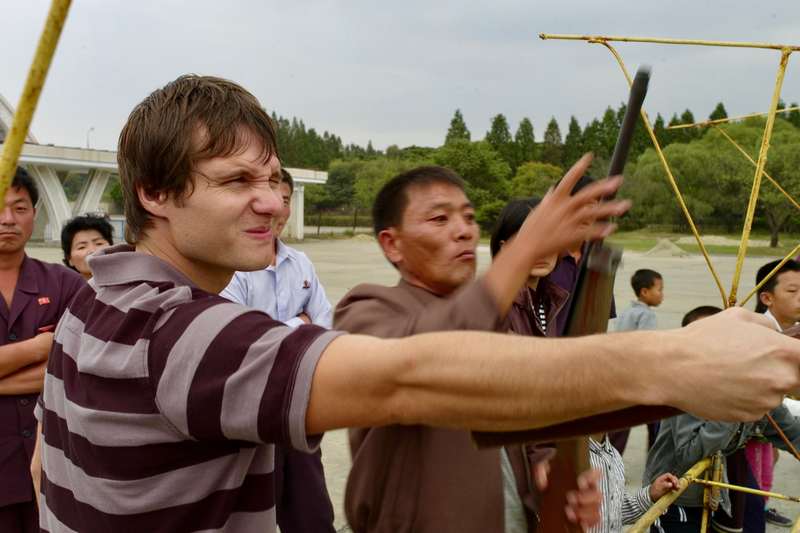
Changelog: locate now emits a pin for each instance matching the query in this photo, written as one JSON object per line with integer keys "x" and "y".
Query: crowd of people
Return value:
{"x": 182, "y": 381}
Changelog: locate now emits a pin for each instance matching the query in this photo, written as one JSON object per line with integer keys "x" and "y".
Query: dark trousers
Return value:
{"x": 619, "y": 439}
{"x": 19, "y": 518}
{"x": 301, "y": 497}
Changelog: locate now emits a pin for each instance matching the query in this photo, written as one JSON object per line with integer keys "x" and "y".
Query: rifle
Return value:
{"x": 588, "y": 314}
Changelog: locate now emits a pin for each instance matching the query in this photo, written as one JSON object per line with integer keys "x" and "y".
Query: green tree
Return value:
{"x": 609, "y": 131}
{"x": 719, "y": 112}
{"x": 573, "y": 143}
{"x": 499, "y": 137}
{"x": 524, "y": 142}
{"x": 552, "y": 146}
{"x": 458, "y": 129}
{"x": 484, "y": 171}
{"x": 660, "y": 131}
{"x": 317, "y": 201}
{"x": 794, "y": 115}
{"x": 689, "y": 134}
{"x": 534, "y": 179}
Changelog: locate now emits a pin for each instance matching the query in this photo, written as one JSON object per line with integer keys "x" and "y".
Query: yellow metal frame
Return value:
{"x": 730, "y": 298}
{"x": 699, "y": 474}
{"x": 702, "y": 467}
{"x": 48, "y": 41}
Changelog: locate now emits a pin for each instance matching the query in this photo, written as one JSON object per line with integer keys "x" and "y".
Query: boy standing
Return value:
{"x": 648, "y": 286}
{"x": 779, "y": 300}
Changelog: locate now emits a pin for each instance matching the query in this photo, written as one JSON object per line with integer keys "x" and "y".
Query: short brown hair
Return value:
{"x": 158, "y": 145}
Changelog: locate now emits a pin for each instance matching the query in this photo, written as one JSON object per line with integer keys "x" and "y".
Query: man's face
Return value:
{"x": 435, "y": 246}
{"x": 16, "y": 220}
{"x": 226, "y": 222}
{"x": 784, "y": 301}
{"x": 286, "y": 211}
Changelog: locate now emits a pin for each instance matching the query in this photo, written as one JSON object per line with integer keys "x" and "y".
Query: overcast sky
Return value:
{"x": 394, "y": 72}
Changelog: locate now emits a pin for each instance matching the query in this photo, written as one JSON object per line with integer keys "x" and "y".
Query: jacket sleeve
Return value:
{"x": 789, "y": 424}
{"x": 696, "y": 438}
{"x": 635, "y": 505}
{"x": 391, "y": 312}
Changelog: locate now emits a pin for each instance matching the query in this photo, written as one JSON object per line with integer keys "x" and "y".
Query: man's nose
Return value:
{"x": 463, "y": 229}
{"x": 268, "y": 201}
{"x": 6, "y": 217}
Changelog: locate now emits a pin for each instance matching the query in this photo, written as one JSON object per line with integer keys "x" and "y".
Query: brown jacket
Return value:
{"x": 417, "y": 478}
{"x": 521, "y": 318}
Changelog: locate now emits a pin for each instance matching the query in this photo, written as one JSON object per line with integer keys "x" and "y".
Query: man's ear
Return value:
{"x": 389, "y": 241}
{"x": 766, "y": 298}
{"x": 155, "y": 204}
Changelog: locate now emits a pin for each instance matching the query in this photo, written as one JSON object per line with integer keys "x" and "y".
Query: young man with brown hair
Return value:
{"x": 162, "y": 400}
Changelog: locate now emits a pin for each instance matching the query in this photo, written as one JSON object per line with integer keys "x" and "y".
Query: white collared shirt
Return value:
{"x": 284, "y": 290}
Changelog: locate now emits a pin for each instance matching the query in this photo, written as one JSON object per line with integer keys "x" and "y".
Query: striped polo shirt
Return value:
{"x": 162, "y": 402}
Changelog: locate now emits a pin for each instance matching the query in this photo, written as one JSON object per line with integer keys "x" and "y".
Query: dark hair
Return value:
{"x": 510, "y": 220}
{"x": 699, "y": 312}
{"x": 644, "y": 279}
{"x": 88, "y": 221}
{"x": 789, "y": 266}
{"x": 391, "y": 201}
{"x": 23, "y": 180}
{"x": 188, "y": 120}
{"x": 287, "y": 178}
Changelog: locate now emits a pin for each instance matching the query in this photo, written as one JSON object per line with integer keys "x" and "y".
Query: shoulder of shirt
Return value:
{"x": 64, "y": 273}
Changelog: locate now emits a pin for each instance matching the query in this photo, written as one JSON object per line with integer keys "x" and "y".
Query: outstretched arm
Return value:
{"x": 497, "y": 382}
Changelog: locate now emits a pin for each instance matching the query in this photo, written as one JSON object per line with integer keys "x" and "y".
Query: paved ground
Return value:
{"x": 341, "y": 264}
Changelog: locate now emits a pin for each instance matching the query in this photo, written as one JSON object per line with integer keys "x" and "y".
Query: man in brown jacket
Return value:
{"x": 421, "y": 478}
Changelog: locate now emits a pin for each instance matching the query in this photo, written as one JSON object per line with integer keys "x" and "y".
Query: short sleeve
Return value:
{"x": 222, "y": 371}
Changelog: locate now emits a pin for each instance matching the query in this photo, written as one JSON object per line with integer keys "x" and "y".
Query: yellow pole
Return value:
{"x": 752, "y": 161}
{"x": 762, "y": 163}
{"x": 48, "y": 41}
{"x": 673, "y": 183}
{"x": 796, "y": 528}
{"x": 718, "y": 121}
{"x": 658, "y": 508}
{"x": 748, "y": 490}
{"x": 706, "y": 505}
{"x": 793, "y": 253}
{"x": 654, "y": 40}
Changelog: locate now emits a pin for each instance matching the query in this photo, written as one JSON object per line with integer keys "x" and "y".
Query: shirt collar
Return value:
{"x": 283, "y": 253}
{"x": 27, "y": 281}
{"x": 117, "y": 265}
{"x": 637, "y": 303}
{"x": 769, "y": 315}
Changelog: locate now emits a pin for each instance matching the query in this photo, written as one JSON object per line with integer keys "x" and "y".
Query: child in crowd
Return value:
{"x": 684, "y": 440}
{"x": 534, "y": 313}
{"x": 648, "y": 286}
{"x": 778, "y": 299}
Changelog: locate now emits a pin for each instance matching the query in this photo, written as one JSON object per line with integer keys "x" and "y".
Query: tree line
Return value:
{"x": 713, "y": 175}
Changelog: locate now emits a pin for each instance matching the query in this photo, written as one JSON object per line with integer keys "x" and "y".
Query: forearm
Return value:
{"x": 25, "y": 381}
{"x": 17, "y": 355}
{"x": 481, "y": 381}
